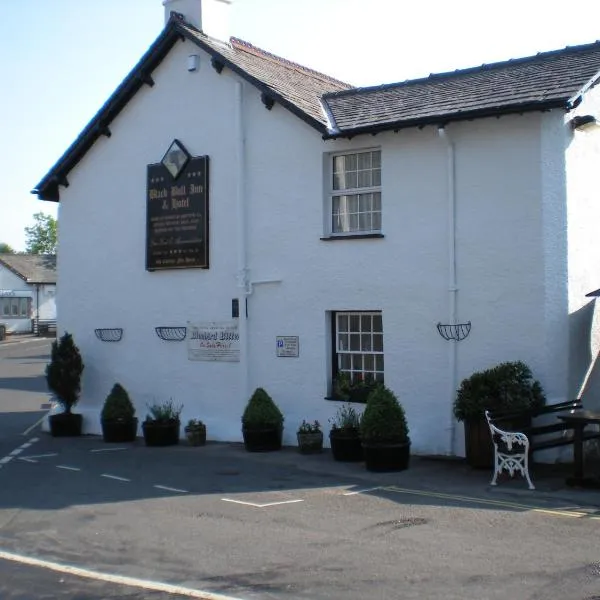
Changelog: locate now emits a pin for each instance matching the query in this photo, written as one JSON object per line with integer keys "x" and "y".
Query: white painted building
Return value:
{"x": 27, "y": 291}
{"x": 473, "y": 204}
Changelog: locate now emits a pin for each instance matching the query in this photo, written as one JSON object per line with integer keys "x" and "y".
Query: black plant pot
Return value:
{"x": 119, "y": 430}
{"x": 387, "y": 457}
{"x": 65, "y": 425}
{"x": 267, "y": 439}
{"x": 157, "y": 433}
{"x": 345, "y": 445}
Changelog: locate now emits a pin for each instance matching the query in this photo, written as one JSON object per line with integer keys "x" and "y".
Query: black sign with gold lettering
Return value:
{"x": 177, "y": 216}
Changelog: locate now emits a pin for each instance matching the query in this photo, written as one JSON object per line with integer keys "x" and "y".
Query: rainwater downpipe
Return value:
{"x": 452, "y": 285}
{"x": 242, "y": 278}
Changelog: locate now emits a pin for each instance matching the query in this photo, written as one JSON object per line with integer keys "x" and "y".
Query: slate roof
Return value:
{"x": 32, "y": 268}
{"x": 550, "y": 80}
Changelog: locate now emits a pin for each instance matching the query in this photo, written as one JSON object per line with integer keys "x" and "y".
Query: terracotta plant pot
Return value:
{"x": 119, "y": 430}
{"x": 345, "y": 445}
{"x": 65, "y": 425}
{"x": 310, "y": 443}
{"x": 158, "y": 433}
{"x": 196, "y": 436}
{"x": 267, "y": 439}
{"x": 386, "y": 457}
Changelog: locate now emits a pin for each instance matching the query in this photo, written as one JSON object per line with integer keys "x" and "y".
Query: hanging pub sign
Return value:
{"x": 177, "y": 211}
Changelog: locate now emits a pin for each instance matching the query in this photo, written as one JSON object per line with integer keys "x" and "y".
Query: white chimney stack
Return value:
{"x": 210, "y": 16}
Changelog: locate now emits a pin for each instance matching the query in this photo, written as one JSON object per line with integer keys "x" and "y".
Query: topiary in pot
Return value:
{"x": 262, "y": 423}
{"x": 118, "y": 420}
{"x": 344, "y": 436}
{"x": 162, "y": 424}
{"x": 384, "y": 432}
{"x": 63, "y": 375}
{"x": 506, "y": 388}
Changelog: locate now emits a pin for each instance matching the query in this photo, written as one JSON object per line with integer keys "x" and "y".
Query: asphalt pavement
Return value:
{"x": 80, "y": 519}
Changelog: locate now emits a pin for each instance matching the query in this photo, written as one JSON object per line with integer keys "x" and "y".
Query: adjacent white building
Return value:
{"x": 332, "y": 229}
{"x": 27, "y": 291}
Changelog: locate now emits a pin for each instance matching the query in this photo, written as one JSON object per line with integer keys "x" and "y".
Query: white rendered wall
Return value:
{"x": 47, "y": 297}
{"x": 500, "y": 254}
{"x": 582, "y": 164}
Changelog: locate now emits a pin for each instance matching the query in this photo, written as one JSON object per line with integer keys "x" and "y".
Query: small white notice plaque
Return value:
{"x": 288, "y": 346}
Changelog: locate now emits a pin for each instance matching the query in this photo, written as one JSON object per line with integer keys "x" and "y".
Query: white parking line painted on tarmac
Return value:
{"x": 41, "y": 455}
{"x": 32, "y": 427}
{"x": 26, "y": 459}
{"x": 67, "y": 468}
{"x": 356, "y": 492}
{"x": 16, "y": 451}
{"x": 171, "y": 489}
{"x": 145, "y": 584}
{"x": 107, "y": 449}
{"x": 265, "y": 505}
{"x": 115, "y": 477}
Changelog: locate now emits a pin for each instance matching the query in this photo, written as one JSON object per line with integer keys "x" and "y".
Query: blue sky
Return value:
{"x": 61, "y": 59}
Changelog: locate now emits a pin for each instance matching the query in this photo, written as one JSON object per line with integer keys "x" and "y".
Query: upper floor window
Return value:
{"x": 356, "y": 192}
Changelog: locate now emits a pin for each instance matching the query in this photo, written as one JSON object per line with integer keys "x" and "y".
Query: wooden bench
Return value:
{"x": 538, "y": 434}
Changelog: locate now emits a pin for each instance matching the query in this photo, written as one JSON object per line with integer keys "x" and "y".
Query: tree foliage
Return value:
{"x": 41, "y": 236}
{"x": 6, "y": 249}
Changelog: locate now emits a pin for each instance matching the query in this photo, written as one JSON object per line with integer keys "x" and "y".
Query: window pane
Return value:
{"x": 377, "y": 201}
{"x": 352, "y": 203}
{"x": 342, "y": 322}
{"x": 24, "y": 307}
{"x": 354, "y": 342}
{"x": 365, "y": 323}
{"x": 365, "y": 202}
{"x": 357, "y": 362}
{"x": 376, "y": 177}
{"x": 14, "y": 307}
{"x": 369, "y": 362}
{"x": 353, "y": 222}
{"x": 338, "y": 181}
{"x": 376, "y": 222}
{"x": 351, "y": 180}
{"x": 378, "y": 342}
{"x": 364, "y": 160}
{"x": 345, "y": 362}
{"x": 338, "y": 164}
{"x": 364, "y": 222}
{"x": 350, "y": 162}
{"x": 379, "y": 377}
{"x": 376, "y": 158}
{"x": 365, "y": 342}
{"x": 364, "y": 179}
{"x": 379, "y": 362}
{"x": 5, "y": 306}
{"x": 355, "y": 323}
{"x": 343, "y": 341}
{"x": 377, "y": 323}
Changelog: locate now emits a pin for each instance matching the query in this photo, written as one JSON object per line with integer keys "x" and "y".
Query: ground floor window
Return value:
{"x": 16, "y": 308}
{"x": 358, "y": 348}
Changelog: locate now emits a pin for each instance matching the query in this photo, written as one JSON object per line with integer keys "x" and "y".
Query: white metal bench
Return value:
{"x": 511, "y": 452}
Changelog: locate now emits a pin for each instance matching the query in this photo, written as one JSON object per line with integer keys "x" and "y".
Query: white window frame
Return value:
{"x": 339, "y": 352}
{"x": 22, "y": 304}
{"x": 332, "y": 193}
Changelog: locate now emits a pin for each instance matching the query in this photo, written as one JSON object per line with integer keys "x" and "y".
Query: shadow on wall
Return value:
{"x": 584, "y": 366}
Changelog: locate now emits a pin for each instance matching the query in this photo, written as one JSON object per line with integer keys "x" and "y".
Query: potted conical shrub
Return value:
{"x": 262, "y": 423}
{"x": 118, "y": 420}
{"x": 63, "y": 375}
{"x": 506, "y": 388}
{"x": 384, "y": 432}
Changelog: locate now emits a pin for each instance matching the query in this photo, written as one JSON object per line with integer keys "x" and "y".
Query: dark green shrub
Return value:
{"x": 63, "y": 372}
{"x": 507, "y": 387}
{"x": 117, "y": 405}
{"x": 261, "y": 412}
{"x": 383, "y": 420}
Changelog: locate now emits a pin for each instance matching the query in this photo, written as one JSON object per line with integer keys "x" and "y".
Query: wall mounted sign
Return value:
{"x": 214, "y": 341}
{"x": 177, "y": 211}
{"x": 288, "y": 346}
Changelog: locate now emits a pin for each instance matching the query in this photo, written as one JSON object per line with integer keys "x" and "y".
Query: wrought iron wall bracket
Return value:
{"x": 456, "y": 332}
{"x": 109, "y": 335}
{"x": 171, "y": 334}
